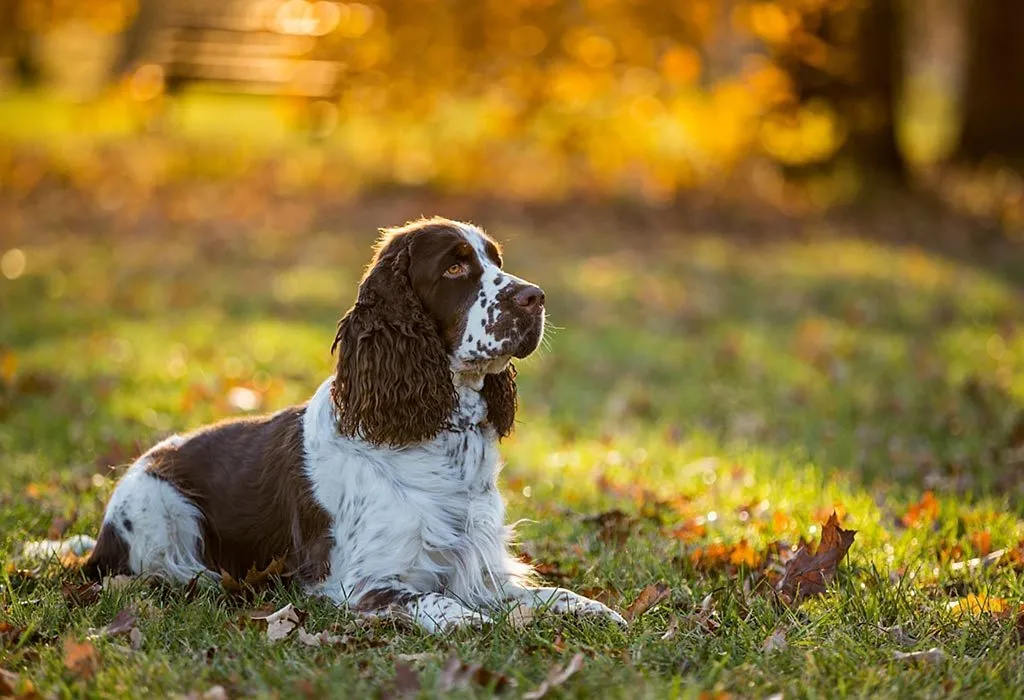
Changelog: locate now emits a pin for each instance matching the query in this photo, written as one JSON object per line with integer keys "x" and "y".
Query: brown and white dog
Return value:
{"x": 380, "y": 492}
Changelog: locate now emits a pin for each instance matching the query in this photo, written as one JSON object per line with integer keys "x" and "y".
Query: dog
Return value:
{"x": 380, "y": 493}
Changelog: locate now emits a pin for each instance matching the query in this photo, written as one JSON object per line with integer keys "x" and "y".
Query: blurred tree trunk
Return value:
{"x": 853, "y": 59}
{"x": 994, "y": 95}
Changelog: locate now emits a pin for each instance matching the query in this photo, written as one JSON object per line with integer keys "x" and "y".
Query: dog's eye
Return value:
{"x": 455, "y": 270}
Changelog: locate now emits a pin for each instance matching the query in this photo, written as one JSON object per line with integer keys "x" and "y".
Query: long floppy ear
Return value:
{"x": 393, "y": 384}
{"x": 500, "y": 394}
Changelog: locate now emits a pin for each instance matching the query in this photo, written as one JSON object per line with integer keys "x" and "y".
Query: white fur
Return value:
{"x": 426, "y": 519}
{"x": 166, "y": 535}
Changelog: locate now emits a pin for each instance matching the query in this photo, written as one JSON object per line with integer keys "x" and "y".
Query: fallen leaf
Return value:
{"x": 117, "y": 582}
{"x": 281, "y": 623}
{"x": 924, "y": 512}
{"x": 933, "y": 655}
{"x": 123, "y": 622}
{"x": 8, "y": 683}
{"x": 808, "y": 575}
{"x": 81, "y": 659}
{"x": 81, "y": 595}
{"x": 255, "y": 579}
{"x": 776, "y": 641}
{"x": 457, "y": 674}
{"x": 324, "y": 638}
{"x": 556, "y": 677}
{"x": 982, "y": 542}
{"x": 520, "y": 616}
{"x": 705, "y": 617}
{"x": 649, "y": 597}
{"x": 135, "y": 638}
{"x": 615, "y": 526}
{"x": 407, "y": 681}
{"x": 978, "y": 604}
{"x": 898, "y": 635}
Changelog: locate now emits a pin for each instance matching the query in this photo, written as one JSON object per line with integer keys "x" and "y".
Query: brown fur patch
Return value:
{"x": 246, "y": 477}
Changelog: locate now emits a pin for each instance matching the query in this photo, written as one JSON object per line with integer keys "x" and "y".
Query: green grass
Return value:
{"x": 755, "y": 386}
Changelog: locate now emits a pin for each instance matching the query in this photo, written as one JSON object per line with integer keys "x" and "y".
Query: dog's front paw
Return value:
{"x": 569, "y": 602}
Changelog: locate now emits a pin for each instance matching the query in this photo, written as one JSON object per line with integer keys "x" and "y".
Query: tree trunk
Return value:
{"x": 994, "y": 95}
{"x": 853, "y": 60}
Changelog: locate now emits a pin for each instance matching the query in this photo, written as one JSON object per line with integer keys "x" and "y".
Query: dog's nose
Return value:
{"x": 530, "y": 298}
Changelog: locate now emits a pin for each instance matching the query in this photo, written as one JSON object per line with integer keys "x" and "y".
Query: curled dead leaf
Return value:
{"x": 81, "y": 594}
{"x": 282, "y": 622}
{"x": 81, "y": 659}
{"x": 556, "y": 677}
{"x": 123, "y": 623}
{"x": 809, "y": 574}
{"x": 255, "y": 579}
{"x": 649, "y": 597}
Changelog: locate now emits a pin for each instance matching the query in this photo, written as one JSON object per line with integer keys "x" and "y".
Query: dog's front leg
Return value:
{"x": 559, "y": 600}
{"x": 435, "y": 612}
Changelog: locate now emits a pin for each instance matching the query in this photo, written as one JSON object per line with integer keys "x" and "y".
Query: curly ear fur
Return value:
{"x": 500, "y": 394}
{"x": 393, "y": 384}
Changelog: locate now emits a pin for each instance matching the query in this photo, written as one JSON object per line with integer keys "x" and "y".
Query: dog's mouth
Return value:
{"x": 530, "y": 332}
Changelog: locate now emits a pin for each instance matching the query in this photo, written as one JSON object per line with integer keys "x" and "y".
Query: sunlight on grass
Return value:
{"x": 725, "y": 397}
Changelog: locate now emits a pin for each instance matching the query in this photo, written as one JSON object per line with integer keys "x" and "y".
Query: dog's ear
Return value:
{"x": 500, "y": 394}
{"x": 393, "y": 384}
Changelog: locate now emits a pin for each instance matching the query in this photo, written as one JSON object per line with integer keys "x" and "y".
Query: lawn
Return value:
{"x": 704, "y": 401}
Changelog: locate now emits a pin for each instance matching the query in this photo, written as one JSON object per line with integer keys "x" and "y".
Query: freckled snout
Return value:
{"x": 530, "y": 298}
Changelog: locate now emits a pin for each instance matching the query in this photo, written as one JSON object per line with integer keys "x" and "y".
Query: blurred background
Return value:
{"x": 815, "y": 207}
{"x": 795, "y": 103}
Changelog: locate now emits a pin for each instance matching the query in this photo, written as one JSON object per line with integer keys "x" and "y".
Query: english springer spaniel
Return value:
{"x": 381, "y": 492}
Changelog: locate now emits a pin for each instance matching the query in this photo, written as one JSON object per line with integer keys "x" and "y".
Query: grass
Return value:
{"x": 753, "y": 387}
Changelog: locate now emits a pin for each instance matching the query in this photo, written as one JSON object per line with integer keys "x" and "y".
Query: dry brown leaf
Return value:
{"x": 8, "y": 683}
{"x": 556, "y": 677}
{"x": 776, "y": 641}
{"x": 255, "y": 579}
{"x": 81, "y": 659}
{"x": 81, "y": 595}
{"x": 457, "y": 674}
{"x": 614, "y": 526}
{"x": 648, "y": 598}
{"x": 933, "y": 655}
{"x": 808, "y": 575}
{"x": 407, "y": 681}
{"x": 123, "y": 623}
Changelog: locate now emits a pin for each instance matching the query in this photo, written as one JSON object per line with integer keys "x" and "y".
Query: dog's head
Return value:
{"x": 434, "y": 302}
